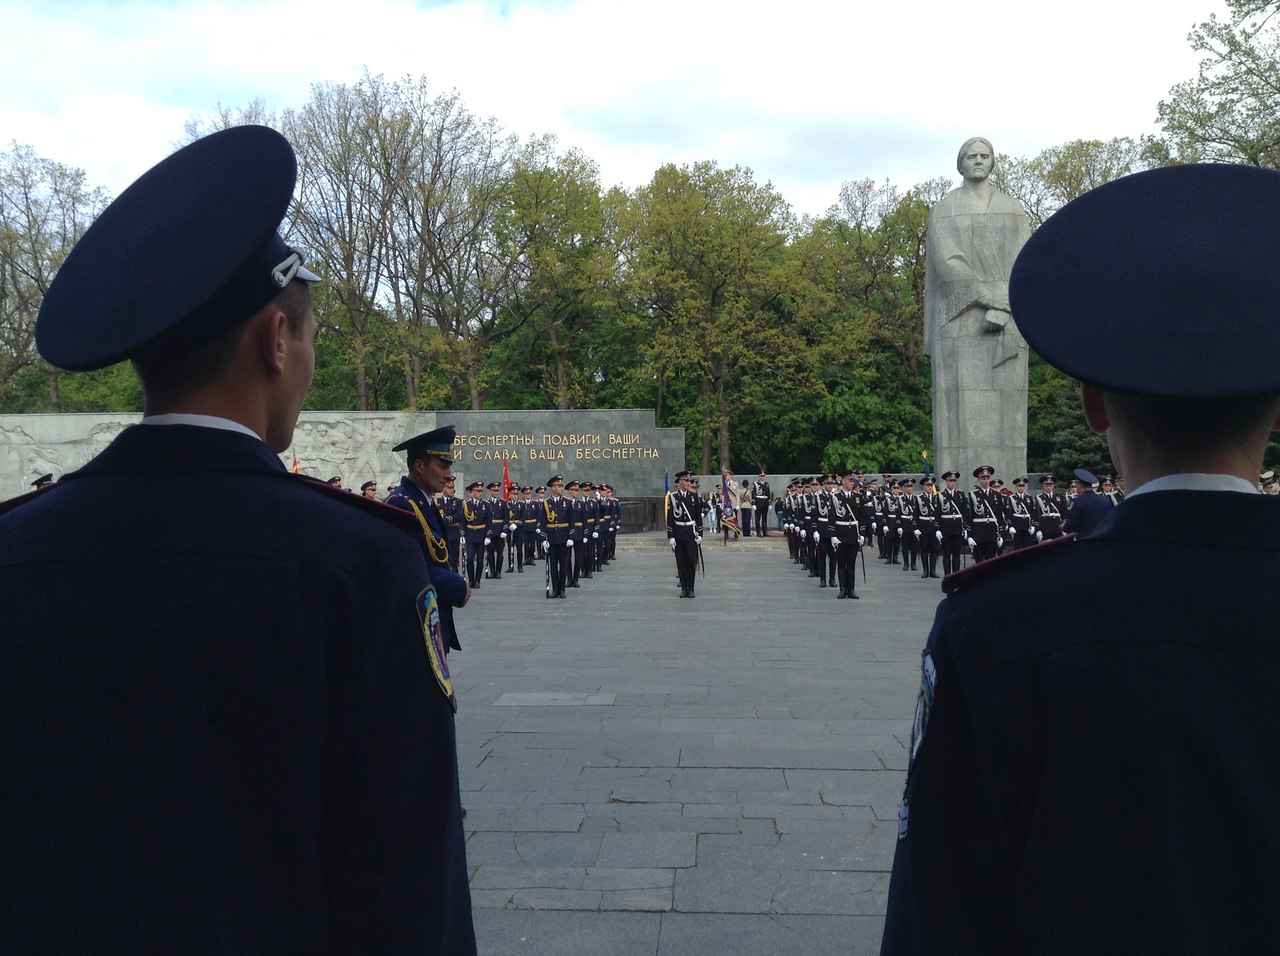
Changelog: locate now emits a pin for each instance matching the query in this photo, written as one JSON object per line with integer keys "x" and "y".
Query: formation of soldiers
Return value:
{"x": 828, "y": 521}
{"x": 573, "y": 527}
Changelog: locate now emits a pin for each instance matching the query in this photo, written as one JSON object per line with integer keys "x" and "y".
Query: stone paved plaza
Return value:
{"x": 650, "y": 775}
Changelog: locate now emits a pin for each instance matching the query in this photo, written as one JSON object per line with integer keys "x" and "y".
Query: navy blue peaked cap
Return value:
{"x": 438, "y": 442}
{"x": 184, "y": 254}
{"x": 1163, "y": 283}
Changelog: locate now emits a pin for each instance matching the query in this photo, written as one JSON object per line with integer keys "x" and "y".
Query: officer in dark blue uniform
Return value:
{"x": 451, "y": 508}
{"x": 1092, "y": 767}
{"x": 430, "y": 460}
{"x": 228, "y": 723}
{"x": 475, "y": 529}
{"x": 1088, "y": 509}
{"x": 553, "y": 529}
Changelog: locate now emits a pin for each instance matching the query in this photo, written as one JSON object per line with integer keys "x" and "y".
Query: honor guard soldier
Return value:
{"x": 228, "y": 722}
{"x": 1092, "y": 765}
{"x": 1050, "y": 510}
{"x": 613, "y": 508}
{"x": 369, "y": 489}
{"x": 499, "y": 530}
{"x": 1020, "y": 514}
{"x": 553, "y": 529}
{"x": 590, "y": 528}
{"x": 577, "y": 530}
{"x": 984, "y": 516}
{"x": 684, "y": 531}
{"x": 908, "y": 530}
{"x": 430, "y": 462}
{"x": 823, "y": 550}
{"x": 761, "y": 499}
{"x": 451, "y": 508}
{"x": 845, "y": 535}
{"x": 475, "y": 515}
{"x": 527, "y": 518}
{"x": 928, "y": 531}
{"x": 953, "y": 520}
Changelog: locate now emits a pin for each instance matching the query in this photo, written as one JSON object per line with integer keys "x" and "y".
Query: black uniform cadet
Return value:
{"x": 1050, "y": 510}
{"x": 928, "y": 533}
{"x": 228, "y": 723}
{"x": 430, "y": 458}
{"x": 953, "y": 519}
{"x": 844, "y": 534}
{"x": 684, "y": 531}
{"x": 984, "y": 516}
{"x": 1093, "y": 764}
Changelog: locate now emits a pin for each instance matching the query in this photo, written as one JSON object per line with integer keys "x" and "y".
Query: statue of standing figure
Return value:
{"x": 978, "y": 356}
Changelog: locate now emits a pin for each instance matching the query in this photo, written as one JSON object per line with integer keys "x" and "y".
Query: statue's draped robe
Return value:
{"x": 979, "y": 371}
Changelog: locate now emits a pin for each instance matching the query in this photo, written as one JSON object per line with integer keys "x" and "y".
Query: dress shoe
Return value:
{"x": 854, "y": 596}
{"x": 841, "y": 595}
{"x": 822, "y": 582}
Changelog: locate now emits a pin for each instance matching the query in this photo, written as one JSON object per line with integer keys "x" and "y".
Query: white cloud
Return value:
{"x": 807, "y": 96}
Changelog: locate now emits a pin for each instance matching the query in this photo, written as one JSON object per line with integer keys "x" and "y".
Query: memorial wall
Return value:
{"x": 620, "y": 446}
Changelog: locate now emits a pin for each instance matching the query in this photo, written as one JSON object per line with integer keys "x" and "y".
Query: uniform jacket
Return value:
{"x": 450, "y": 585}
{"x": 1093, "y": 764}
{"x": 1086, "y": 512}
{"x": 553, "y": 519}
{"x": 221, "y": 729}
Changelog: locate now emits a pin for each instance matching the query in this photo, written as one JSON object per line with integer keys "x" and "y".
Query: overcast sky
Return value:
{"x": 806, "y": 94}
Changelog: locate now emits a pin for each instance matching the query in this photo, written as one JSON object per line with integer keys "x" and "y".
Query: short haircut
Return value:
{"x": 174, "y": 376}
{"x": 1194, "y": 425}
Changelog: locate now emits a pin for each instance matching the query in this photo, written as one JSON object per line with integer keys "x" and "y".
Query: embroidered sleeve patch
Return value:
{"x": 433, "y": 636}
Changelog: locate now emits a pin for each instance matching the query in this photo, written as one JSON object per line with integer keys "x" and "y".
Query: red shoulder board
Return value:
{"x": 976, "y": 572}
{"x": 18, "y": 502}
{"x": 371, "y": 506}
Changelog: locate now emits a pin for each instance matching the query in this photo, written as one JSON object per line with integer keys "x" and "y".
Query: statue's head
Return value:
{"x": 967, "y": 148}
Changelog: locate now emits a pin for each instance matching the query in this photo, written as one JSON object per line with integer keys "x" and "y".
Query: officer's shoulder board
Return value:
{"x": 977, "y": 573}
{"x": 370, "y": 506}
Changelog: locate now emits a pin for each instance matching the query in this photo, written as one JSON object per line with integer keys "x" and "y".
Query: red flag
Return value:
{"x": 506, "y": 482}
{"x": 295, "y": 462}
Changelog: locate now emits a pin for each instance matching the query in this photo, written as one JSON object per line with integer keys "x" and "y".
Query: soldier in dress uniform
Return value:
{"x": 577, "y": 529}
{"x": 590, "y": 528}
{"x": 761, "y": 500}
{"x": 1020, "y": 515}
{"x": 475, "y": 516}
{"x": 984, "y": 516}
{"x": 553, "y": 530}
{"x": 528, "y": 521}
{"x": 228, "y": 722}
{"x": 499, "y": 511}
{"x": 953, "y": 519}
{"x": 908, "y": 532}
{"x": 1050, "y": 510}
{"x": 928, "y": 529}
{"x": 845, "y": 534}
{"x": 684, "y": 531}
{"x": 430, "y": 462}
{"x": 823, "y": 552}
{"x": 1085, "y": 752}
{"x": 451, "y": 508}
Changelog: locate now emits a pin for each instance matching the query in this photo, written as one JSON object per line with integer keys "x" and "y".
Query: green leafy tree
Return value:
{"x": 1230, "y": 112}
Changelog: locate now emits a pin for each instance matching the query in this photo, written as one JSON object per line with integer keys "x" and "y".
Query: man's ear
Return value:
{"x": 272, "y": 330}
{"x": 1095, "y": 408}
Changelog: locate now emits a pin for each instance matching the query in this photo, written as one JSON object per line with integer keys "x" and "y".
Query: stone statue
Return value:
{"x": 979, "y": 357}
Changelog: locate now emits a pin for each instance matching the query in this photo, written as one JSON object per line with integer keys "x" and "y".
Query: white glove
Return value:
{"x": 486, "y": 542}
{"x": 569, "y": 542}
{"x": 999, "y": 542}
{"x": 672, "y": 542}
{"x": 697, "y": 539}
{"x": 546, "y": 546}
{"x": 513, "y": 527}
{"x": 595, "y": 534}
{"x": 1039, "y": 536}
{"x": 917, "y": 532}
{"x": 835, "y": 542}
{"x": 803, "y": 534}
{"x": 503, "y": 536}
{"x": 1012, "y": 531}
{"x": 873, "y": 526}
{"x": 938, "y": 535}
{"x": 972, "y": 543}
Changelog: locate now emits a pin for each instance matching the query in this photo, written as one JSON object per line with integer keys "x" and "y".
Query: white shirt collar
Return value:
{"x": 1194, "y": 481}
{"x": 201, "y": 421}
